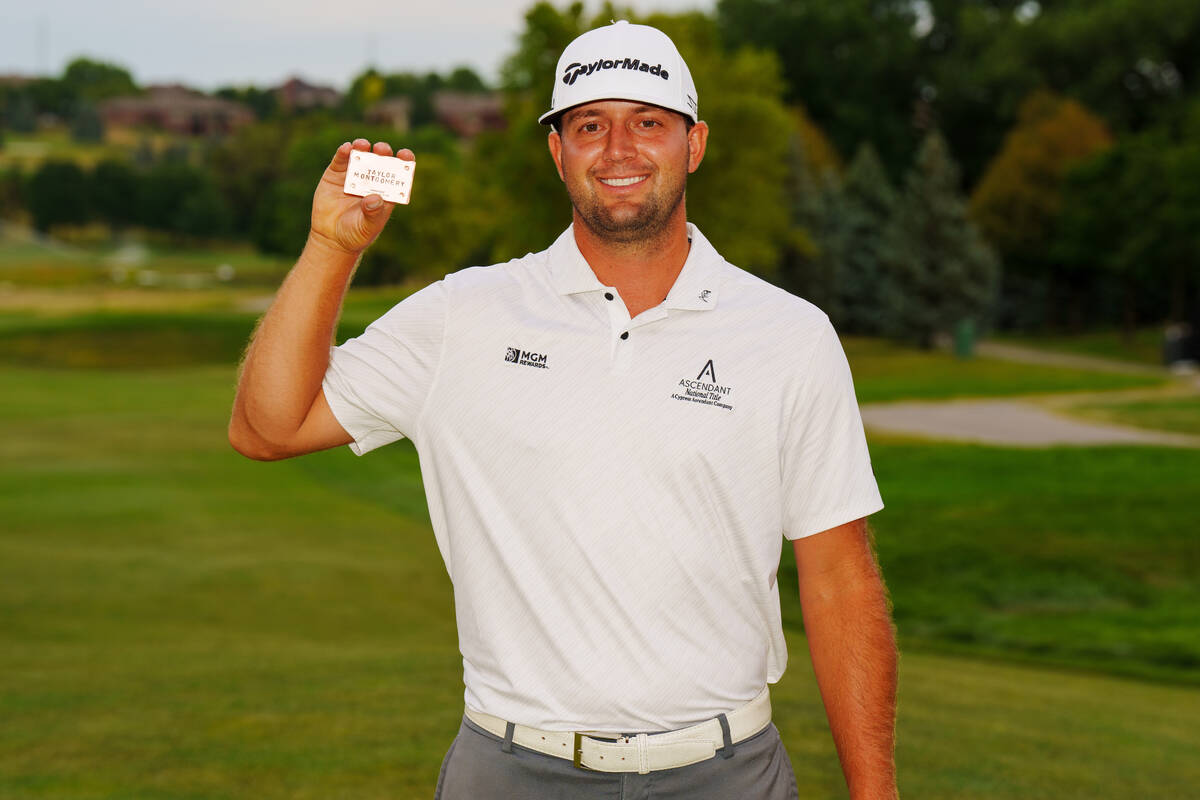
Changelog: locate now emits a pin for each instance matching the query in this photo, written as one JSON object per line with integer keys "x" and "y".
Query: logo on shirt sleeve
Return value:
{"x": 526, "y": 358}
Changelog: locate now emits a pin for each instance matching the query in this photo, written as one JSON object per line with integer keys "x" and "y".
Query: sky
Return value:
{"x": 214, "y": 43}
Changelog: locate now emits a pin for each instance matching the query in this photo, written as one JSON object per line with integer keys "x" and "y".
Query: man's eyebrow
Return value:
{"x": 581, "y": 113}
{"x": 588, "y": 113}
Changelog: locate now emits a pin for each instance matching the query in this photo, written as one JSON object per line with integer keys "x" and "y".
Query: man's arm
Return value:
{"x": 280, "y": 410}
{"x": 847, "y": 618}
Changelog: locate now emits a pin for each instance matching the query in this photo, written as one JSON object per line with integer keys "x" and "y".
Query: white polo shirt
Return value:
{"x": 608, "y": 493}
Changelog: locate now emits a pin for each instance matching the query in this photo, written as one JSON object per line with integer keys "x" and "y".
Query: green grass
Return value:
{"x": 1079, "y": 556}
{"x": 885, "y": 371}
{"x": 155, "y": 262}
{"x": 1176, "y": 414}
{"x": 152, "y": 339}
{"x": 882, "y": 370}
{"x": 125, "y": 340}
{"x": 178, "y": 622}
{"x": 1144, "y": 346}
{"x": 27, "y": 151}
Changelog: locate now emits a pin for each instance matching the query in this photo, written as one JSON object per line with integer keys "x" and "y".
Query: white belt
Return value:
{"x": 641, "y": 753}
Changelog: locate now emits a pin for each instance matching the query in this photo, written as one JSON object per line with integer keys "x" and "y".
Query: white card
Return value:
{"x": 387, "y": 176}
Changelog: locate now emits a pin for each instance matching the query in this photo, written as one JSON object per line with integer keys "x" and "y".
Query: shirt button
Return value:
{"x": 625, "y": 335}
{"x": 608, "y": 295}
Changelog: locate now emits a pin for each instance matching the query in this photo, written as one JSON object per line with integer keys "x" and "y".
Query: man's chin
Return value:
{"x": 626, "y": 225}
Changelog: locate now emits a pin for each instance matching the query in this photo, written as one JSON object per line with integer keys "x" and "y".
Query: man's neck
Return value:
{"x": 644, "y": 271}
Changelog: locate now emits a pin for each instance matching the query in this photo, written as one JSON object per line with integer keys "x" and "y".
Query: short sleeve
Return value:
{"x": 826, "y": 468}
{"x": 376, "y": 383}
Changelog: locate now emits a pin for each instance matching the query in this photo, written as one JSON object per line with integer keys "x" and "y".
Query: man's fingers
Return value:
{"x": 372, "y": 203}
{"x": 341, "y": 158}
{"x": 340, "y": 163}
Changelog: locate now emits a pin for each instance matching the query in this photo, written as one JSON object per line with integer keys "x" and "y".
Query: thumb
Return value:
{"x": 372, "y": 204}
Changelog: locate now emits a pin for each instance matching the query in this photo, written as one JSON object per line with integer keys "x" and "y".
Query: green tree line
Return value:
{"x": 909, "y": 166}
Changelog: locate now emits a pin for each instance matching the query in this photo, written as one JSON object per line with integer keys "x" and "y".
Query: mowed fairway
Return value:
{"x": 179, "y": 622}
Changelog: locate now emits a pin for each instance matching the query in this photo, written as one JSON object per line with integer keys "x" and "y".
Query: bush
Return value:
{"x": 57, "y": 195}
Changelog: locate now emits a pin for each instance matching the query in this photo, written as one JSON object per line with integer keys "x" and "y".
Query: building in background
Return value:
{"x": 296, "y": 94}
{"x": 468, "y": 114}
{"x": 394, "y": 112}
{"x": 177, "y": 109}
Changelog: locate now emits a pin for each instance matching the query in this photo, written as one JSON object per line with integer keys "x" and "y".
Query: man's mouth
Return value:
{"x": 623, "y": 181}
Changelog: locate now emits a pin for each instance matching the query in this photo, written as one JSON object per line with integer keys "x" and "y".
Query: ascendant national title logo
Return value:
{"x": 704, "y": 389}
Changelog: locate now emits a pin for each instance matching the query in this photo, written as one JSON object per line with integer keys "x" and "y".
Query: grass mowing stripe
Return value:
{"x": 884, "y": 371}
{"x": 1176, "y": 414}
{"x": 1077, "y": 555}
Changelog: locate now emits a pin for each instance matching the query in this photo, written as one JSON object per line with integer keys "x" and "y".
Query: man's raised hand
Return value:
{"x": 348, "y": 222}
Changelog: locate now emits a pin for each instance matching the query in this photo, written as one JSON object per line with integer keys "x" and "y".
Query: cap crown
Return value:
{"x": 623, "y": 61}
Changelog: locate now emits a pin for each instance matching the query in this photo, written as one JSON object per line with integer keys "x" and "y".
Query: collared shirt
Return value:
{"x": 609, "y": 494}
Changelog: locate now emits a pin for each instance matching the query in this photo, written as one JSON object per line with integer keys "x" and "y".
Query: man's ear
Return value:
{"x": 555, "y": 143}
{"x": 697, "y": 142}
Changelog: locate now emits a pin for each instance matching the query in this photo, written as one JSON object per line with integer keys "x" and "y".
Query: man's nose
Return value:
{"x": 620, "y": 144}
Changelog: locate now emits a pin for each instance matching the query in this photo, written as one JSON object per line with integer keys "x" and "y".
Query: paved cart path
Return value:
{"x": 1029, "y": 423}
{"x": 1012, "y": 423}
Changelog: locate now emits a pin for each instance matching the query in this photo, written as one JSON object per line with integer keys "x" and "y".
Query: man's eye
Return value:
{"x": 590, "y": 127}
{"x": 648, "y": 123}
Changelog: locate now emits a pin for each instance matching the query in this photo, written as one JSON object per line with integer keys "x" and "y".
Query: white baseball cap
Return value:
{"x": 622, "y": 61}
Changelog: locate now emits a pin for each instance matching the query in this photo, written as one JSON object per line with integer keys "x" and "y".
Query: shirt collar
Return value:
{"x": 695, "y": 289}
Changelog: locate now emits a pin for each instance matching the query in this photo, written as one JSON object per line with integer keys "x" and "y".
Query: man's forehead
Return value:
{"x": 599, "y": 108}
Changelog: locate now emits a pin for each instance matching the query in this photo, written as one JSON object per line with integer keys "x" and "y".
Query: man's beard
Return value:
{"x": 649, "y": 221}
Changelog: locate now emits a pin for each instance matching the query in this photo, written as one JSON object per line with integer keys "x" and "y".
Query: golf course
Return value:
{"x": 179, "y": 622}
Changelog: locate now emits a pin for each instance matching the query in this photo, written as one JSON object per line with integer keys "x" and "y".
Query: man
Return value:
{"x": 613, "y": 434}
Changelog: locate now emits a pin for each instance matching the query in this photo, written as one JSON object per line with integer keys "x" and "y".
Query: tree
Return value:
{"x": 57, "y": 195}
{"x": 810, "y": 263}
{"x": 365, "y": 90}
{"x": 975, "y": 72}
{"x": 1017, "y": 200}
{"x": 162, "y": 191}
{"x": 112, "y": 193}
{"x": 852, "y": 63}
{"x": 1130, "y": 231}
{"x": 867, "y": 204}
{"x": 517, "y": 158}
{"x": 263, "y": 102}
{"x": 203, "y": 213}
{"x": 939, "y": 271}
{"x": 246, "y": 165}
{"x": 738, "y": 197}
{"x": 1017, "y": 203}
{"x": 21, "y": 112}
{"x": 12, "y": 192}
{"x": 1131, "y": 62}
{"x": 465, "y": 79}
{"x": 86, "y": 125}
{"x": 97, "y": 80}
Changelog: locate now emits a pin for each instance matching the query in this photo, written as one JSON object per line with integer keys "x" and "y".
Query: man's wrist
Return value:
{"x": 324, "y": 247}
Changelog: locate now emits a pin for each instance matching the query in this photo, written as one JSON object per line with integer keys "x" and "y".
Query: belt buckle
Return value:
{"x": 577, "y": 753}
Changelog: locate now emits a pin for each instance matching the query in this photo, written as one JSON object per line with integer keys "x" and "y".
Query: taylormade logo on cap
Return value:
{"x": 576, "y": 69}
{"x": 623, "y": 62}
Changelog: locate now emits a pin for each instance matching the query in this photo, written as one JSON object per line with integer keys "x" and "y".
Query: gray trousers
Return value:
{"x": 477, "y": 767}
